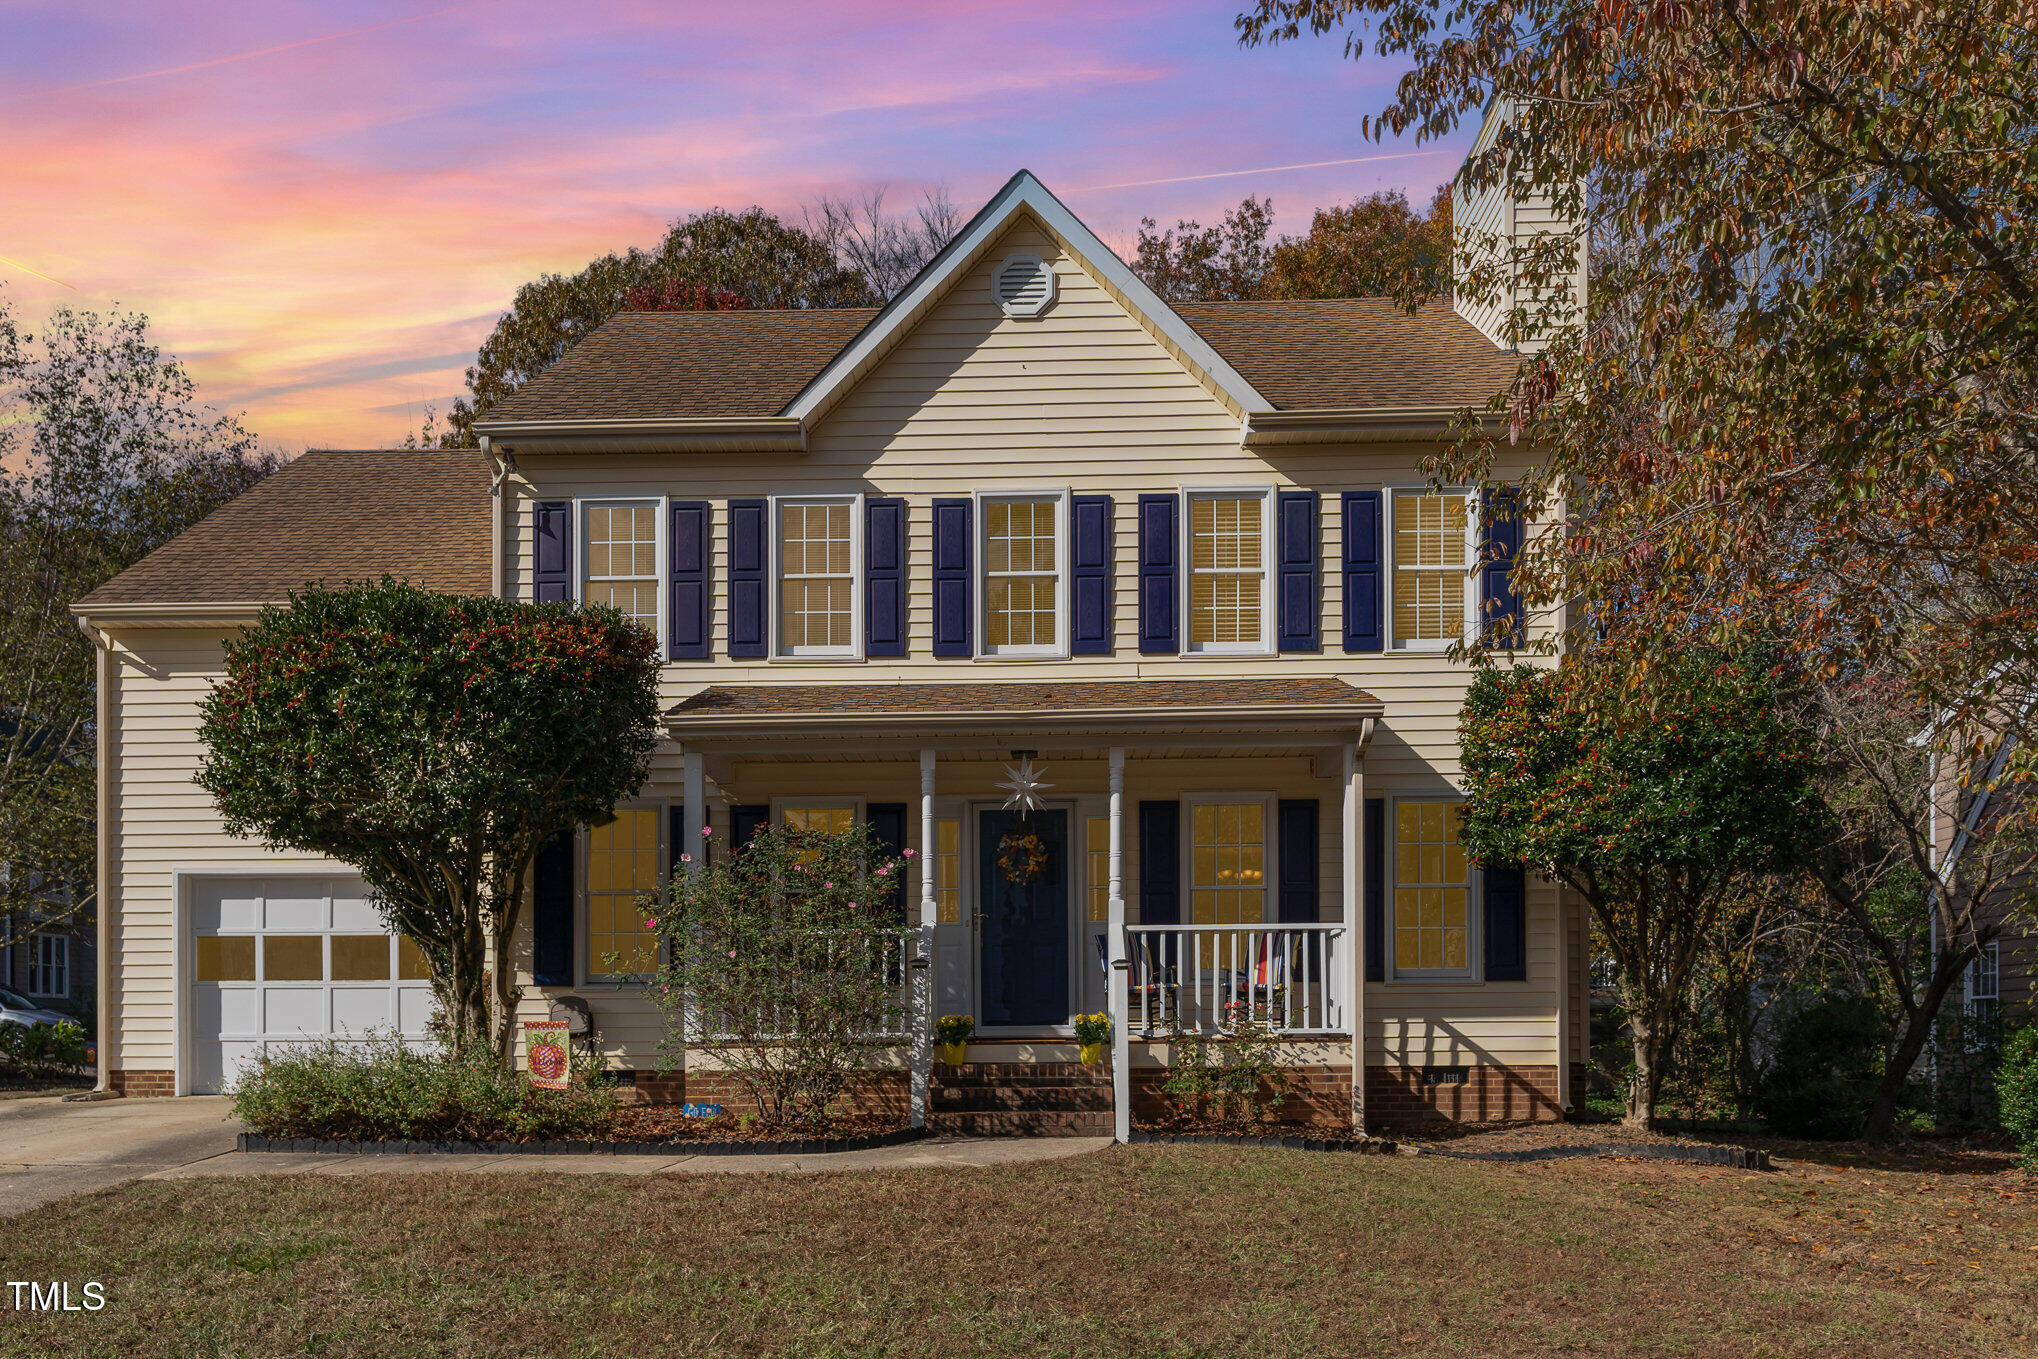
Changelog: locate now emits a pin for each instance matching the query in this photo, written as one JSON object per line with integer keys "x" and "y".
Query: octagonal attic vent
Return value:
{"x": 1024, "y": 285}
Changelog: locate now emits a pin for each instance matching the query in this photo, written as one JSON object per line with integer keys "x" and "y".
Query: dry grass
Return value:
{"x": 1138, "y": 1251}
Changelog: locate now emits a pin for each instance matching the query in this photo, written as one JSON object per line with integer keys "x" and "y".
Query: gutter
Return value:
{"x": 1348, "y": 425}
{"x": 225, "y": 613}
{"x": 750, "y": 433}
{"x": 102, "y": 870}
{"x": 1310, "y": 717}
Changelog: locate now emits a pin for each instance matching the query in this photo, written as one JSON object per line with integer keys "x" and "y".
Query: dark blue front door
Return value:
{"x": 1023, "y": 940}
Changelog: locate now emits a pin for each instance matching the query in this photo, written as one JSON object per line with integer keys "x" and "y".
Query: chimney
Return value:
{"x": 1496, "y": 226}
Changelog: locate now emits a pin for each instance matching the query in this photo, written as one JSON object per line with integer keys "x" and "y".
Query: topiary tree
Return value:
{"x": 1651, "y": 807}
{"x": 435, "y": 743}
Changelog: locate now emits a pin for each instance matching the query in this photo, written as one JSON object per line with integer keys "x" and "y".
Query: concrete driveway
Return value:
{"x": 50, "y": 1149}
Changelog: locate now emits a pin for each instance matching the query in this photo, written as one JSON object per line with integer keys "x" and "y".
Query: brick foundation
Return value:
{"x": 1396, "y": 1097}
{"x": 144, "y": 1084}
{"x": 869, "y": 1093}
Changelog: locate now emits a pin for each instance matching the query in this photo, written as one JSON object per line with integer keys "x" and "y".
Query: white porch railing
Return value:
{"x": 1206, "y": 979}
{"x": 886, "y": 953}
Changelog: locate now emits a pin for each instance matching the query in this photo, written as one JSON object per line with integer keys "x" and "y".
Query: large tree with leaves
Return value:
{"x": 1802, "y": 398}
{"x": 434, "y": 743}
{"x": 105, "y": 453}
{"x": 1653, "y": 811}
{"x": 1376, "y": 246}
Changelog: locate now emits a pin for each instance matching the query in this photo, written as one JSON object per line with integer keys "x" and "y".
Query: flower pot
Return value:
{"x": 955, "y": 1054}
{"x": 1092, "y": 1054}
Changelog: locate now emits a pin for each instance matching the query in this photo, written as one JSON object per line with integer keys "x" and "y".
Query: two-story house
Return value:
{"x": 1178, "y": 566}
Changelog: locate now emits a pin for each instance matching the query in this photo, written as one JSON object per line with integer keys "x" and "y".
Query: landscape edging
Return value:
{"x": 1738, "y": 1158}
{"x": 1364, "y": 1146}
{"x": 805, "y": 1146}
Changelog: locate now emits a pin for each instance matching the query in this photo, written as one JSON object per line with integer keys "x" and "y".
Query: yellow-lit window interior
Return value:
{"x": 622, "y": 560}
{"x": 815, "y": 589}
{"x": 948, "y": 871}
{"x": 622, "y": 861}
{"x": 1098, "y": 831}
{"x": 1430, "y": 877}
{"x": 411, "y": 964}
{"x": 1429, "y": 566}
{"x": 1020, "y": 580}
{"x": 1226, "y": 571}
{"x": 832, "y": 820}
{"x": 1228, "y": 863}
{"x": 226, "y": 957}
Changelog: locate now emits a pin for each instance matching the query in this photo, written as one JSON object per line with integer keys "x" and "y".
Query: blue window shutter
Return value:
{"x": 1375, "y": 833}
{"x": 745, "y": 820}
{"x": 1300, "y": 894}
{"x": 749, "y": 595}
{"x": 1090, "y": 575}
{"x": 552, "y": 552}
{"x": 884, "y": 570}
{"x": 552, "y": 912}
{"x": 952, "y": 606}
{"x": 1506, "y": 913}
{"x": 1298, "y": 594}
{"x": 1159, "y": 527}
{"x": 690, "y": 546}
{"x": 1160, "y": 863}
{"x": 888, "y": 823}
{"x": 1502, "y": 615}
{"x": 1365, "y": 621}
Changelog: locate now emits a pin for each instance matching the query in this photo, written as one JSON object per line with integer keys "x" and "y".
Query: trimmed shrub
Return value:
{"x": 1828, "y": 1063}
{"x": 41, "y": 1050}
{"x": 381, "y": 1089}
{"x": 2017, "y": 1091}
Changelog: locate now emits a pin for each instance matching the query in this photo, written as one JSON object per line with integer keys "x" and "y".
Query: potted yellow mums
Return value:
{"x": 952, "y": 1034}
{"x": 1093, "y": 1035}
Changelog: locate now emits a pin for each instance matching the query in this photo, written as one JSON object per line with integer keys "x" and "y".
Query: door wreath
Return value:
{"x": 1022, "y": 856}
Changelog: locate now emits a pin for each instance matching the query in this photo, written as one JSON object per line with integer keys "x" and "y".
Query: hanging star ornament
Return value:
{"x": 1024, "y": 787}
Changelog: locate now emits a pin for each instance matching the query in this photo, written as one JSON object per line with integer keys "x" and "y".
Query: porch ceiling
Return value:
{"x": 823, "y": 720}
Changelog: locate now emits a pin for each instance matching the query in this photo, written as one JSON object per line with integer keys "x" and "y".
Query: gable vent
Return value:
{"x": 1024, "y": 285}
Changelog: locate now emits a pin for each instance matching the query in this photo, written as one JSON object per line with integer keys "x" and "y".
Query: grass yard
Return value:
{"x": 1135, "y": 1251}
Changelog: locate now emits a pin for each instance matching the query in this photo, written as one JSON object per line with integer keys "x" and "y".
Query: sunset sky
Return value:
{"x": 323, "y": 207}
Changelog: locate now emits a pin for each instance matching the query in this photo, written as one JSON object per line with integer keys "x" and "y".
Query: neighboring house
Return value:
{"x": 2002, "y": 982}
{"x": 54, "y": 965}
{"x": 1182, "y": 559}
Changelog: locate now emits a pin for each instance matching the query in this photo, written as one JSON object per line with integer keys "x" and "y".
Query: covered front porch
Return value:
{"x": 1185, "y": 855}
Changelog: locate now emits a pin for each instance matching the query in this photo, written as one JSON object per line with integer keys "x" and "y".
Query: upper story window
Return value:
{"x": 1228, "y": 606}
{"x": 1432, "y": 891}
{"x": 1023, "y": 553}
{"x": 819, "y": 555}
{"x": 621, "y": 562}
{"x": 1432, "y": 554}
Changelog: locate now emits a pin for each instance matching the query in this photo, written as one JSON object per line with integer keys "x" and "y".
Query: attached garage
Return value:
{"x": 281, "y": 960}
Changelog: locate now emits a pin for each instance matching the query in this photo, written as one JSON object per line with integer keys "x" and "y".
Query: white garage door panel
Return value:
{"x": 236, "y": 1012}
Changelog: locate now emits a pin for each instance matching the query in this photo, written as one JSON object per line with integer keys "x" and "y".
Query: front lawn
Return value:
{"x": 1137, "y": 1251}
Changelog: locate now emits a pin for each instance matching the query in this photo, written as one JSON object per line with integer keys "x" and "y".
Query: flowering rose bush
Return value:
{"x": 781, "y": 960}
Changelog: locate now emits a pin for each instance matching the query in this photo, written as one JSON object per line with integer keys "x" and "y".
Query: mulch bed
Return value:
{"x": 1295, "y": 1136}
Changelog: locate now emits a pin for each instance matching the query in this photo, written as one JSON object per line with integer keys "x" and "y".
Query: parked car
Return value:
{"x": 16, "y": 1008}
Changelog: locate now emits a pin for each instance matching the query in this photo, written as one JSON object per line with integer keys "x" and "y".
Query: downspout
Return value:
{"x": 102, "y": 829}
{"x": 495, "y": 572}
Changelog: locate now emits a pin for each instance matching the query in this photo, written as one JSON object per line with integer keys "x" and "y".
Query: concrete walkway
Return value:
{"x": 51, "y": 1150}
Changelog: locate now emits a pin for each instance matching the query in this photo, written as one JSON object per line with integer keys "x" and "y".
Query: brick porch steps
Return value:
{"x": 1046, "y": 1099}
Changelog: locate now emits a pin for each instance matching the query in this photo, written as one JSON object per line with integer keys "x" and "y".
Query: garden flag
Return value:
{"x": 545, "y": 1053}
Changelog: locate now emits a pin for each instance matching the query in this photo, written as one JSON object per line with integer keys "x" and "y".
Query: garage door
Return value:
{"x": 290, "y": 959}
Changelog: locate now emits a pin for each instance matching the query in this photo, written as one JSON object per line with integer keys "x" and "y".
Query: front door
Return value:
{"x": 1023, "y": 935}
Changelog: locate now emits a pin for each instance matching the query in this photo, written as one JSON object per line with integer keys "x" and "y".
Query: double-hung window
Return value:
{"x": 620, "y": 562}
{"x": 1984, "y": 981}
{"x": 1432, "y": 891}
{"x": 819, "y": 553}
{"x": 1024, "y": 554}
{"x": 49, "y": 965}
{"x": 622, "y": 864}
{"x": 1229, "y": 537}
{"x": 1432, "y": 557}
{"x": 1228, "y": 861}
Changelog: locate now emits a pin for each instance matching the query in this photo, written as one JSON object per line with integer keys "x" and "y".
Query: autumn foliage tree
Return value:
{"x": 1653, "y": 812}
{"x": 1376, "y": 246}
{"x": 434, "y": 743}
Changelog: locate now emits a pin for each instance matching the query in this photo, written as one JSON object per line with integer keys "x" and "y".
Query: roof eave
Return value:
{"x": 702, "y": 434}
{"x": 201, "y": 614}
{"x": 1357, "y": 424}
{"x": 1102, "y": 721}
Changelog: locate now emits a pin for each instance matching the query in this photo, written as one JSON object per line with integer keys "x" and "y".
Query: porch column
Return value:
{"x": 1114, "y": 934}
{"x": 693, "y": 790}
{"x": 1353, "y": 840}
{"x": 923, "y": 950}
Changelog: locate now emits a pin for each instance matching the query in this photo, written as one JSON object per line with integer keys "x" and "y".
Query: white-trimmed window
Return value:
{"x": 819, "y": 554}
{"x": 1984, "y": 979}
{"x": 1229, "y": 540}
{"x": 1228, "y": 861}
{"x": 1433, "y": 935}
{"x": 1097, "y": 833}
{"x": 1025, "y": 554}
{"x": 1431, "y": 556}
{"x": 619, "y": 558}
{"x": 623, "y": 859}
{"x": 49, "y": 965}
